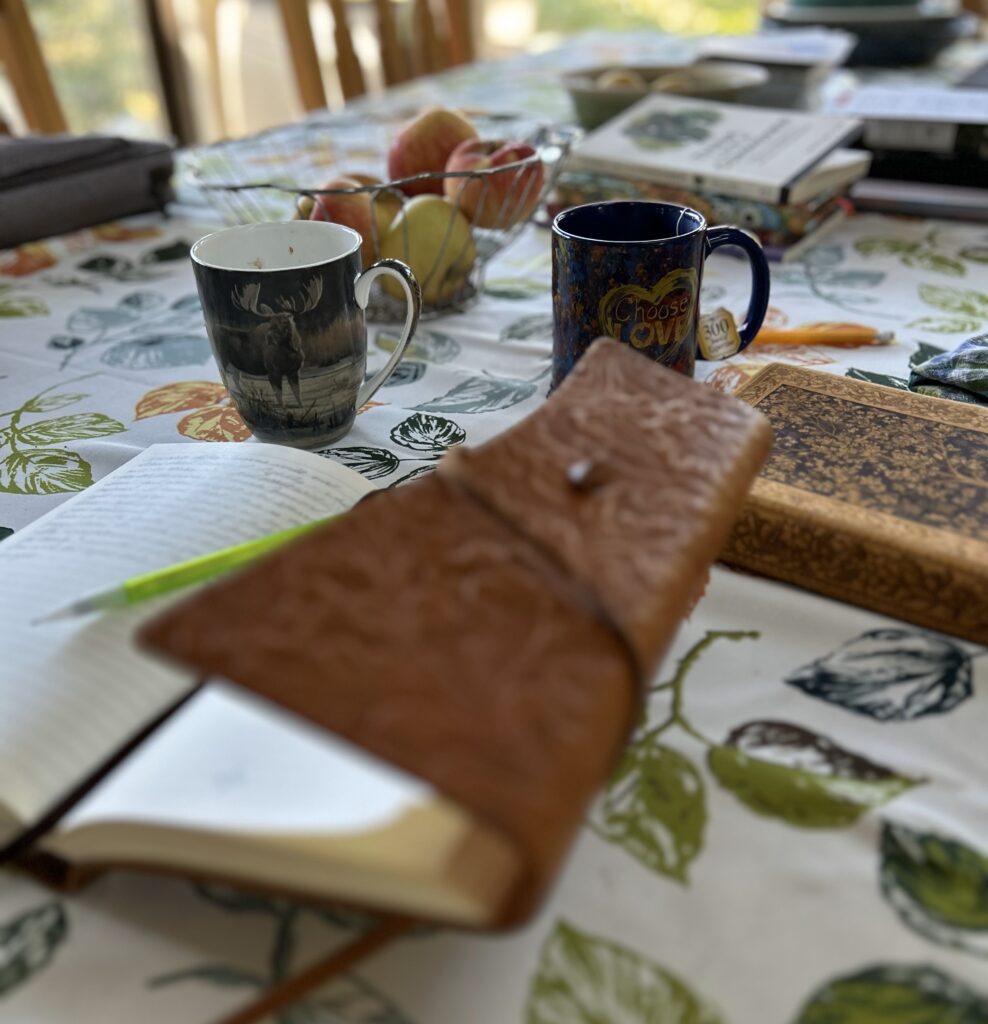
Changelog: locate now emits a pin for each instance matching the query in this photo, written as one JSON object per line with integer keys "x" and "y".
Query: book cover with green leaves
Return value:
{"x": 734, "y": 150}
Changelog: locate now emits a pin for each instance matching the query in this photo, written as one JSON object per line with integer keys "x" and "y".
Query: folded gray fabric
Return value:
{"x": 51, "y": 184}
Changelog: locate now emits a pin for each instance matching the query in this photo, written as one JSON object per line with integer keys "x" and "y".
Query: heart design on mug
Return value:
{"x": 644, "y": 317}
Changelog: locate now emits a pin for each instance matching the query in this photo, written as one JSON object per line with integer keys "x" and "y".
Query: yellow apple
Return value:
{"x": 621, "y": 78}
{"x": 434, "y": 239}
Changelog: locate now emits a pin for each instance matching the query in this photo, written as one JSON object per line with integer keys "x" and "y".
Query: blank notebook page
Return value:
{"x": 72, "y": 692}
{"x": 228, "y": 761}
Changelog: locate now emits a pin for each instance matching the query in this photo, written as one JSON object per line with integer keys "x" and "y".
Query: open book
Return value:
{"x": 229, "y": 786}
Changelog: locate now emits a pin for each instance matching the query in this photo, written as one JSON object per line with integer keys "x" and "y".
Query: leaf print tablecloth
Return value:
{"x": 798, "y": 832}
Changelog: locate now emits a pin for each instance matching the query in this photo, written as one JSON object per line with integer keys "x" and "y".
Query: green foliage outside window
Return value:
{"x": 689, "y": 16}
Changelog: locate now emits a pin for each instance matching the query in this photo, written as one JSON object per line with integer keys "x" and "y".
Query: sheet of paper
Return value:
{"x": 72, "y": 691}
{"x": 229, "y": 761}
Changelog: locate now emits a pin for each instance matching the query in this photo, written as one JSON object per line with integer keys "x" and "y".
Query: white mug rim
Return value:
{"x": 269, "y": 227}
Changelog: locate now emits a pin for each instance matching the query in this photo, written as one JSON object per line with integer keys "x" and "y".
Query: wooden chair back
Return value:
{"x": 25, "y": 67}
{"x": 436, "y": 43}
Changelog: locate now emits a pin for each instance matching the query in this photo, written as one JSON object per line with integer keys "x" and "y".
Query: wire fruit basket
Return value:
{"x": 447, "y": 234}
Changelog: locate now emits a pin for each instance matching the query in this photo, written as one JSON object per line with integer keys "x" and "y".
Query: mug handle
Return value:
{"x": 760, "y": 279}
{"x": 413, "y": 298}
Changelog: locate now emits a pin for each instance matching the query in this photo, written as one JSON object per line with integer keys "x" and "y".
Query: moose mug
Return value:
{"x": 284, "y": 309}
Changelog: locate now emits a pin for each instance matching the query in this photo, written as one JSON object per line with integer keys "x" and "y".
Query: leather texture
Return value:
{"x": 486, "y": 628}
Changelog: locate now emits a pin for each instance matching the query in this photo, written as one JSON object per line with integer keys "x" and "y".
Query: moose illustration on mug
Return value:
{"x": 272, "y": 347}
{"x": 284, "y": 308}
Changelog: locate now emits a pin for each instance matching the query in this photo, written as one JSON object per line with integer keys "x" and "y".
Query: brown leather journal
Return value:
{"x": 874, "y": 496}
{"x": 489, "y": 628}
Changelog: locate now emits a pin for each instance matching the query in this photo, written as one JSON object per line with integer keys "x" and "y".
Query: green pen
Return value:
{"x": 182, "y": 574}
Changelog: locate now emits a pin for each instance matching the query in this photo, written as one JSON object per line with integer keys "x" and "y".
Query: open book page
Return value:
{"x": 233, "y": 785}
{"x": 72, "y": 692}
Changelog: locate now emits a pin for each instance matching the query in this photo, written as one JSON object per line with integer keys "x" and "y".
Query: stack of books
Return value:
{"x": 929, "y": 146}
{"x": 782, "y": 175}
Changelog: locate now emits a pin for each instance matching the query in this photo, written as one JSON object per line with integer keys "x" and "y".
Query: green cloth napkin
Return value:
{"x": 961, "y": 375}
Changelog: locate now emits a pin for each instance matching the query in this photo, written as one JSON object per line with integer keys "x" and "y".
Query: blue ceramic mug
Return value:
{"x": 632, "y": 271}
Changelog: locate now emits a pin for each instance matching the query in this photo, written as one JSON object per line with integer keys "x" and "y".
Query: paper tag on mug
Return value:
{"x": 717, "y": 335}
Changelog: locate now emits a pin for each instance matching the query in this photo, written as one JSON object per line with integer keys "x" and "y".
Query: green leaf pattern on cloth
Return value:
{"x": 976, "y": 253}
{"x": 928, "y": 260}
{"x": 17, "y": 303}
{"x": 963, "y": 302}
{"x": 945, "y": 324}
{"x": 787, "y": 772}
{"x": 923, "y": 254}
{"x": 654, "y": 806}
{"x": 69, "y": 428}
{"x": 49, "y": 403}
{"x": 885, "y": 246}
{"x": 583, "y": 979}
{"x": 938, "y": 887}
{"x": 29, "y": 461}
{"x": 44, "y": 471}
{"x": 895, "y": 994}
{"x": 28, "y": 943}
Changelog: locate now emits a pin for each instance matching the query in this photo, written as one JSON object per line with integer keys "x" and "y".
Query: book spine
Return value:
{"x": 714, "y": 183}
{"x": 858, "y": 566}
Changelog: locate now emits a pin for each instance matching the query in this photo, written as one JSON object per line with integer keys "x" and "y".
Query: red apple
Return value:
{"x": 425, "y": 144}
{"x": 358, "y": 210}
{"x": 500, "y": 199}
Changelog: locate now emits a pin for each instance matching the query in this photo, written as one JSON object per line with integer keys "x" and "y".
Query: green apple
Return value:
{"x": 435, "y": 240}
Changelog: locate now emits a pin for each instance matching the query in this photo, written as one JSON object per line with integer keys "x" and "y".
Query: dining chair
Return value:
{"x": 25, "y": 67}
{"x": 428, "y": 44}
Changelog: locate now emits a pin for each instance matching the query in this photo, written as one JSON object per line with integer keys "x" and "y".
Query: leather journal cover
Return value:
{"x": 490, "y": 628}
{"x": 875, "y": 496}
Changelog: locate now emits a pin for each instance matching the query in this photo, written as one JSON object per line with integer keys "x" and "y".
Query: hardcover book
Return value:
{"x": 777, "y": 156}
{"x": 873, "y": 496}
